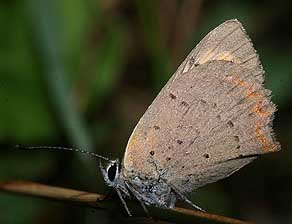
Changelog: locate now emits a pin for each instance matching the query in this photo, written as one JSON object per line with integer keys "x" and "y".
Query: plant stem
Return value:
{"x": 97, "y": 201}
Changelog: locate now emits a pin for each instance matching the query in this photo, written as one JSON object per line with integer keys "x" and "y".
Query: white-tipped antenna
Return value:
{"x": 23, "y": 147}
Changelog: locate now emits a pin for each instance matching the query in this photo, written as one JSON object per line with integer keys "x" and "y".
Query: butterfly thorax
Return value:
{"x": 151, "y": 191}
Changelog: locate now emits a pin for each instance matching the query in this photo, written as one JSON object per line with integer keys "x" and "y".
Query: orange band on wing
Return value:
{"x": 251, "y": 93}
{"x": 267, "y": 146}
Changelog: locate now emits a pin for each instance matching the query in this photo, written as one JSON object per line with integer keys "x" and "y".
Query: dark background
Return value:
{"x": 80, "y": 73}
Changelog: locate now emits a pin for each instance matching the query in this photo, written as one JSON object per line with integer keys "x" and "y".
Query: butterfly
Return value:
{"x": 212, "y": 117}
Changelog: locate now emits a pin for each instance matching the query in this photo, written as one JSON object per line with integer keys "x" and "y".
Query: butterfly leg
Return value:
{"x": 183, "y": 197}
{"x": 124, "y": 202}
{"x": 136, "y": 194}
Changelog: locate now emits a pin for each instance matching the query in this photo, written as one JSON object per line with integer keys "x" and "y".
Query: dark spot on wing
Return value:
{"x": 184, "y": 103}
{"x": 230, "y": 124}
{"x": 179, "y": 142}
{"x": 168, "y": 158}
{"x": 156, "y": 127}
{"x": 172, "y": 96}
{"x": 206, "y": 155}
{"x": 183, "y": 167}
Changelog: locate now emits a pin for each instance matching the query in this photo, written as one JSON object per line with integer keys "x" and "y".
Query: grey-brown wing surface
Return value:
{"x": 211, "y": 115}
{"x": 228, "y": 42}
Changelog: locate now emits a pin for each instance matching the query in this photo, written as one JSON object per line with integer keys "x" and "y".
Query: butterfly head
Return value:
{"x": 112, "y": 176}
{"x": 111, "y": 172}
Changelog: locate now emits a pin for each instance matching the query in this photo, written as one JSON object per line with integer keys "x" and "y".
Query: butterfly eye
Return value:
{"x": 111, "y": 172}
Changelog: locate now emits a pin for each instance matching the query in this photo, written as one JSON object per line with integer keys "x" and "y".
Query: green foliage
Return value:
{"x": 68, "y": 70}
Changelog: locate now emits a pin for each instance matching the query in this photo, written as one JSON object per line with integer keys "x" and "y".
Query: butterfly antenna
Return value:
{"x": 61, "y": 148}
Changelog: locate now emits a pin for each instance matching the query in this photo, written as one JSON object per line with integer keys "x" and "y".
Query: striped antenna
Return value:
{"x": 55, "y": 148}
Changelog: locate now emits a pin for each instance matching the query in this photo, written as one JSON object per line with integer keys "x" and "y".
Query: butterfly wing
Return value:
{"x": 210, "y": 118}
{"x": 228, "y": 42}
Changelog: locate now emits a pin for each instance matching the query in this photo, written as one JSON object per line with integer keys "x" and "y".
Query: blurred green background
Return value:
{"x": 80, "y": 73}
